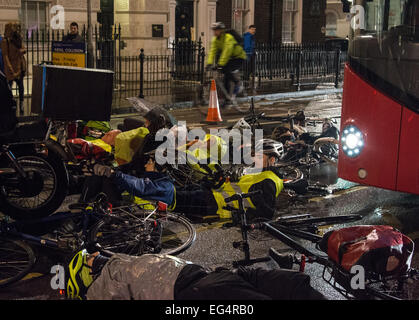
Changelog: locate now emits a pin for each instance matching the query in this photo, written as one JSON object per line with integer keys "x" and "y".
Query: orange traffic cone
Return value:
{"x": 213, "y": 116}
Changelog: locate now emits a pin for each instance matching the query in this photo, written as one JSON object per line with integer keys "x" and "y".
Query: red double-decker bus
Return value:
{"x": 380, "y": 109}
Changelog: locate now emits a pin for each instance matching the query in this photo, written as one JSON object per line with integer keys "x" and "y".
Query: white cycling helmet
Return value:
{"x": 218, "y": 25}
{"x": 270, "y": 147}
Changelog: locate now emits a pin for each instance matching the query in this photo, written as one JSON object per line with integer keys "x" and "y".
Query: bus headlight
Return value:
{"x": 352, "y": 141}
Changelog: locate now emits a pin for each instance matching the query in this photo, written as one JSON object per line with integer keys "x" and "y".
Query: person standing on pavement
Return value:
{"x": 249, "y": 48}
{"x": 73, "y": 35}
{"x": 13, "y": 52}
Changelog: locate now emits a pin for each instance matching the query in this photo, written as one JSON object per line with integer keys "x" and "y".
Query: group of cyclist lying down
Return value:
{"x": 94, "y": 276}
{"x": 144, "y": 179}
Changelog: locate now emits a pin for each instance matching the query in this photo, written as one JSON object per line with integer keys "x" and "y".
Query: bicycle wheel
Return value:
{"x": 131, "y": 233}
{"x": 40, "y": 194}
{"x": 291, "y": 173}
{"x": 178, "y": 233}
{"x": 202, "y": 95}
{"x": 243, "y": 104}
{"x": 16, "y": 260}
{"x": 328, "y": 149}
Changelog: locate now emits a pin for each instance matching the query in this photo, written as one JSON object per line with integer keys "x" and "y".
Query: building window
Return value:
{"x": 331, "y": 24}
{"x": 34, "y": 15}
{"x": 289, "y": 18}
{"x": 240, "y": 10}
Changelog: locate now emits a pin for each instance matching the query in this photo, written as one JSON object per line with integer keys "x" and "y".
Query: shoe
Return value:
{"x": 79, "y": 276}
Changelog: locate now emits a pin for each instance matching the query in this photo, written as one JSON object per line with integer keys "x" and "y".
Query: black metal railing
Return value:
{"x": 38, "y": 44}
{"x": 174, "y": 74}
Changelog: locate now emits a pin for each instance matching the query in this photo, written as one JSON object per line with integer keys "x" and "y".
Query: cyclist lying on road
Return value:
{"x": 156, "y": 185}
{"x": 162, "y": 277}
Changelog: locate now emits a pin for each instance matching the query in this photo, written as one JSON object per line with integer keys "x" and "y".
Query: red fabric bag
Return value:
{"x": 379, "y": 249}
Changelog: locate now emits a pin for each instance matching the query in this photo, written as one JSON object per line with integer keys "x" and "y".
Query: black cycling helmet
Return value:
{"x": 159, "y": 118}
{"x": 218, "y": 25}
{"x": 270, "y": 148}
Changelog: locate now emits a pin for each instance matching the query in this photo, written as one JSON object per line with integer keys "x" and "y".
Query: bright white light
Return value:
{"x": 352, "y": 141}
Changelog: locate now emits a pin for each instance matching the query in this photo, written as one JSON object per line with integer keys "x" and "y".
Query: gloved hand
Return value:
{"x": 211, "y": 67}
{"x": 103, "y": 171}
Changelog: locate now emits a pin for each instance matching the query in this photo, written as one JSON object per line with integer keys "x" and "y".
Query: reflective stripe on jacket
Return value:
{"x": 203, "y": 153}
{"x": 228, "y": 189}
{"x": 229, "y": 48}
{"x": 102, "y": 144}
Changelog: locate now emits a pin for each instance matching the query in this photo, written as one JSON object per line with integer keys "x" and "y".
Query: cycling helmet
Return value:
{"x": 218, "y": 25}
{"x": 79, "y": 276}
{"x": 242, "y": 125}
{"x": 270, "y": 147}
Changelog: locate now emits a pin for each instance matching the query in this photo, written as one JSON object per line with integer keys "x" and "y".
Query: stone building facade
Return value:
{"x": 35, "y": 14}
{"x": 153, "y": 24}
{"x": 337, "y": 21}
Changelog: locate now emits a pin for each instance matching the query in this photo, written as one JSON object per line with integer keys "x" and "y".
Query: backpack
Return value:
{"x": 236, "y": 36}
{"x": 381, "y": 250}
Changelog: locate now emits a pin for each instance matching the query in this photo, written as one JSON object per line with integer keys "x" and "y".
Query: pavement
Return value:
{"x": 213, "y": 246}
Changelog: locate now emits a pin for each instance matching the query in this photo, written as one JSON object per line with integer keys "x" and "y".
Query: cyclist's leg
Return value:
{"x": 194, "y": 283}
{"x": 281, "y": 284}
{"x": 227, "y": 79}
{"x": 236, "y": 67}
{"x": 195, "y": 202}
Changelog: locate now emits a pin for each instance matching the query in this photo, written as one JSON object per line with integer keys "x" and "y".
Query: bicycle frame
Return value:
{"x": 282, "y": 228}
{"x": 12, "y": 229}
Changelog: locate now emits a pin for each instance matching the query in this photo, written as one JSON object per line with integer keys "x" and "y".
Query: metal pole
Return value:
{"x": 337, "y": 68}
{"x": 90, "y": 60}
{"x": 141, "y": 73}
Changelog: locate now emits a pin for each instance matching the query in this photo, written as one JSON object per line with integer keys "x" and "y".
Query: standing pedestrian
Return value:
{"x": 249, "y": 48}
{"x": 13, "y": 52}
{"x": 73, "y": 35}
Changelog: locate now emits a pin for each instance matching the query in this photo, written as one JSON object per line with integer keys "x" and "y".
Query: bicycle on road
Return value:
{"x": 293, "y": 230}
{"x": 97, "y": 227}
{"x": 241, "y": 103}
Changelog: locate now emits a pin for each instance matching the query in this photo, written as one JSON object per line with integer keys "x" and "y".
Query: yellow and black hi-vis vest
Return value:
{"x": 149, "y": 205}
{"x": 228, "y": 189}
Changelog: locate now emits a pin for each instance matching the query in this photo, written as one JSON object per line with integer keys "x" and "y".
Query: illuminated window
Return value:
{"x": 289, "y": 18}
{"x": 34, "y": 15}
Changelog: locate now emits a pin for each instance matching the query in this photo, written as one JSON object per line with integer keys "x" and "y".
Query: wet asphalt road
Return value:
{"x": 213, "y": 246}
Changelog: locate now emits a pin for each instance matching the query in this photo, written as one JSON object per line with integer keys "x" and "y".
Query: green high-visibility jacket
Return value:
{"x": 228, "y": 47}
